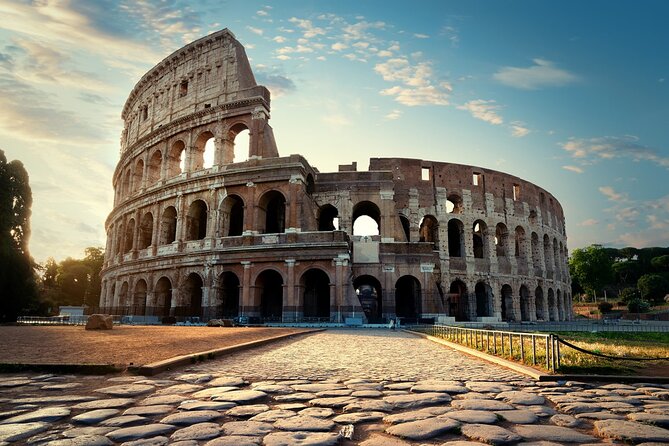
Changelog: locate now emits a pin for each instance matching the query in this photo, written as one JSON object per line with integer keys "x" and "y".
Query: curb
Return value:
{"x": 542, "y": 376}
{"x": 167, "y": 364}
{"x": 84, "y": 369}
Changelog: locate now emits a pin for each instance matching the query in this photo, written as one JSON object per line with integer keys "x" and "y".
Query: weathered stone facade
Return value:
{"x": 270, "y": 237}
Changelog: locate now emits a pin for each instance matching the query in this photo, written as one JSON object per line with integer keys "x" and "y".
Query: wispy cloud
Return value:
{"x": 421, "y": 36}
{"x": 308, "y": 29}
{"x": 393, "y": 115}
{"x": 574, "y": 169}
{"x": 255, "y": 30}
{"x": 542, "y": 74}
{"x": 611, "y": 194}
{"x": 277, "y": 83}
{"x": 609, "y": 147}
{"x": 589, "y": 222}
{"x": 519, "y": 129}
{"x": 417, "y": 86}
{"x": 483, "y": 110}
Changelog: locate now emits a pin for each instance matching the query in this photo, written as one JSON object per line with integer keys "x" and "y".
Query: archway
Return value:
{"x": 429, "y": 231}
{"x": 408, "y": 298}
{"x": 123, "y": 297}
{"x": 270, "y": 286}
{"x": 176, "y": 159}
{"x": 369, "y": 292}
{"x": 163, "y": 297}
{"x": 406, "y": 228}
{"x": 139, "y": 298}
{"x": 272, "y": 206}
{"x": 228, "y": 295}
{"x": 524, "y": 303}
{"x": 520, "y": 242}
{"x": 507, "y": 303}
{"x": 366, "y": 219}
{"x": 138, "y": 176}
{"x": 484, "y": 304}
{"x": 232, "y": 216}
{"x": 479, "y": 235}
{"x": 196, "y": 221}
{"x": 456, "y": 245}
{"x": 316, "y": 287}
{"x": 154, "y": 167}
{"x": 501, "y": 240}
{"x": 552, "y": 306}
{"x": 168, "y": 226}
{"x": 539, "y": 304}
{"x": 328, "y": 218}
{"x": 454, "y": 204}
{"x": 560, "y": 305}
{"x": 146, "y": 231}
{"x": 129, "y": 236}
{"x": 193, "y": 295}
{"x": 458, "y": 301}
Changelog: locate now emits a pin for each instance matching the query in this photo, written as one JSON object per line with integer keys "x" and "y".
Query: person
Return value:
{"x": 391, "y": 325}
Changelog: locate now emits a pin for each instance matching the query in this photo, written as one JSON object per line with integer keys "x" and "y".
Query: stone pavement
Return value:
{"x": 337, "y": 387}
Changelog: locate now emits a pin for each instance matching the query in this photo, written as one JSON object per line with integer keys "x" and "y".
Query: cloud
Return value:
{"x": 518, "y": 129}
{"x": 611, "y": 194}
{"x": 451, "y": 34}
{"x": 337, "y": 120}
{"x": 611, "y": 147}
{"x": 358, "y": 31}
{"x": 417, "y": 84}
{"x": 339, "y": 46}
{"x": 589, "y": 222}
{"x": 278, "y": 84}
{"x": 483, "y": 110}
{"x": 542, "y": 74}
{"x": 421, "y": 36}
{"x": 308, "y": 28}
{"x": 279, "y": 39}
{"x": 262, "y": 13}
{"x": 254, "y": 30}
{"x": 575, "y": 169}
{"x": 393, "y": 115}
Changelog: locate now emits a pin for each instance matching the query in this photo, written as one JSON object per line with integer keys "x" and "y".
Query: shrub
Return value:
{"x": 653, "y": 287}
{"x": 638, "y": 306}
{"x": 605, "y": 307}
{"x": 628, "y": 294}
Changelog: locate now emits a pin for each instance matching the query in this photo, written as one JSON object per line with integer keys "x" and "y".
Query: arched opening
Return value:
{"x": 272, "y": 206}
{"x": 507, "y": 303}
{"x": 429, "y": 231}
{"x": 239, "y": 143}
{"x": 454, "y": 204}
{"x": 168, "y": 226}
{"x": 560, "y": 305}
{"x": 406, "y": 227}
{"x": 547, "y": 252}
{"x": 203, "y": 151}
{"x": 539, "y": 304}
{"x": 193, "y": 295}
{"x": 316, "y": 286}
{"x": 163, "y": 296}
{"x": 155, "y": 164}
{"x": 270, "y": 286}
{"x": 552, "y": 306}
{"x": 120, "y": 239}
{"x": 196, "y": 221}
{"x": 520, "y": 244}
{"x": 328, "y": 218}
{"x": 536, "y": 251}
{"x": 556, "y": 255}
{"x": 209, "y": 153}
{"x": 146, "y": 231}
{"x": 456, "y": 240}
{"x": 484, "y": 304}
{"x": 139, "y": 298}
{"x": 138, "y": 175}
{"x": 110, "y": 301}
{"x": 458, "y": 301}
{"x": 479, "y": 232}
{"x": 123, "y": 297}
{"x": 366, "y": 219}
{"x": 524, "y": 303}
{"x": 232, "y": 216}
{"x": 129, "y": 236}
{"x": 501, "y": 240}
{"x": 310, "y": 185}
{"x": 228, "y": 295}
{"x": 408, "y": 298}
{"x": 369, "y": 292}
{"x": 176, "y": 159}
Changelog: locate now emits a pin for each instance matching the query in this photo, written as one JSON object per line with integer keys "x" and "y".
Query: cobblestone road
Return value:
{"x": 340, "y": 387}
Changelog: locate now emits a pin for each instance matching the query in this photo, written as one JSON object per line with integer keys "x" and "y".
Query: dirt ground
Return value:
{"x": 123, "y": 345}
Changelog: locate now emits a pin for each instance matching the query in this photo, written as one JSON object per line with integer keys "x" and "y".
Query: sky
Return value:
{"x": 571, "y": 95}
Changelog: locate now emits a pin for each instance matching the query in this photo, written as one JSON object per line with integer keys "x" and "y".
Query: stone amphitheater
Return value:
{"x": 202, "y": 228}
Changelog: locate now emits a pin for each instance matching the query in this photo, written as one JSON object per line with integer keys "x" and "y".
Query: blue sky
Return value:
{"x": 571, "y": 95}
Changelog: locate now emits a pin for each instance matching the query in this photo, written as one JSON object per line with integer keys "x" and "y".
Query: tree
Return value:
{"x": 660, "y": 263}
{"x": 18, "y": 290}
{"x": 653, "y": 287}
{"x": 592, "y": 267}
{"x": 626, "y": 272}
{"x": 629, "y": 294}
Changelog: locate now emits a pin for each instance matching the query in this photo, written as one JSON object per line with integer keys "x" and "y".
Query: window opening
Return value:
{"x": 425, "y": 173}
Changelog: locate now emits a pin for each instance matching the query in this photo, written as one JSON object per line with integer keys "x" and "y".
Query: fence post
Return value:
{"x": 511, "y": 345}
{"x": 548, "y": 357}
{"x": 534, "y": 350}
{"x": 522, "y": 349}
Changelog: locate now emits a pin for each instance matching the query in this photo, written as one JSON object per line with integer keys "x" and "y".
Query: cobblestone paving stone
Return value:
{"x": 340, "y": 387}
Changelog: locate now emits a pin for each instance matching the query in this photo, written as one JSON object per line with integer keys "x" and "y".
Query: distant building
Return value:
{"x": 273, "y": 238}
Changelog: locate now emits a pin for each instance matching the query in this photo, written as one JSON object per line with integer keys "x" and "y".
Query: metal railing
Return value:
{"x": 535, "y": 349}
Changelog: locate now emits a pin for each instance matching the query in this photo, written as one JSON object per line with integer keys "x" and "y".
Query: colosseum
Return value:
{"x": 203, "y": 229}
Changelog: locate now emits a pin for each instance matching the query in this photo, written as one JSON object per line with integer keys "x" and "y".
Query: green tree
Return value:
{"x": 653, "y": 287}
{"x": 592, "y": 267}
{"x": 73, "y": 281}
{"x": 18, "y": 285}
{"x": 629, "y": 294}
{"x": 626, "y": 272}
{"x": 661, "y": 263}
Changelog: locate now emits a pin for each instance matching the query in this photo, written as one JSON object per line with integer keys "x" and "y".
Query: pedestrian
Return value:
{"x": 391, "y": 325}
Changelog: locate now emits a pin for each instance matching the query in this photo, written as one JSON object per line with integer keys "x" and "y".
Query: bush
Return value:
{"x": 605, "y": 307}
{"x": 628, "y": 294}
{"x": 638, "y": 306}
{"x": 653, "y": 287}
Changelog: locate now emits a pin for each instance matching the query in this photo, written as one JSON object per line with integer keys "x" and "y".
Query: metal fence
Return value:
{"x": 58, "y": 320}
{"x": 535, "y": 349}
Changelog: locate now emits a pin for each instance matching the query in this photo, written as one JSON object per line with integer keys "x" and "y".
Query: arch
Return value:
{"x": 203, "y": 151}
{"x": 272, "y": 207}
{"x": 120, "y": 238}
{"x": 366, "y": 219}
{"x": 138, "y": 175}
{"x": 316, "y": 294}
{"x": 552, "y": 306}
{"x": 520, "y": 242}
{"x": 232, "y": 216}
{"x": 154, "y": 167}
{"x": 110, "y": 301}
{"x": 146, "y": 231}
{"x": 560, "y": 305}
{"x": 270, "y": 286}
{"x": 176, "y": 159}
{"x": 310, "y": 185}
{"x": 407, "y": 297}
{"x": 196, "y": 221}
{"x": 556, "y": 255}
{"x": 370, "y": 294}
{"x": 501, "y": 240}
{"x": 454, "y": 204}
{"x": 168, "y": 226}
{"x": 129, "y": 236}
{"x": 479, "y": 238}
{"x": 123, "y": 295}
{"x": 539, "y": 304}
{"x": 237, "y": 145}
{"x": 458, "y": 302}
{"x": 429, "y": 231}
{"x": 456, "y": 240}
{"x": 484, "y": 300}
{"x": 127, "y": 183}
{"x": 524, "y": 303}
{"x": 328, "y": 218}
{"x": 139, "y": 298}
{"x": 536, "y": 250}
{"x": 406, "y": 227}
{"x": 228, "y": 294}
{"x": 192, "y": 298}
{"x": 507, "y": 303}
{"x": 547, "y": 252}
{"x": 163, "y": 297}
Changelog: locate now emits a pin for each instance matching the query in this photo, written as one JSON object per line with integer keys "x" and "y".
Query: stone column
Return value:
{"x": 388, "y": 217}
{"x": 246, "y": 303}
{"x": 290, "y": 308}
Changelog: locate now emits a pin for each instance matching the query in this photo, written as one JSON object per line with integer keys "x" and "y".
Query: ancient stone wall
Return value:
{"x": 201, "y": 230}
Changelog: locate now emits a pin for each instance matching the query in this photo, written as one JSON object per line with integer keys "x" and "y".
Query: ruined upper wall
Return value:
{"x": 206, "y": 73}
